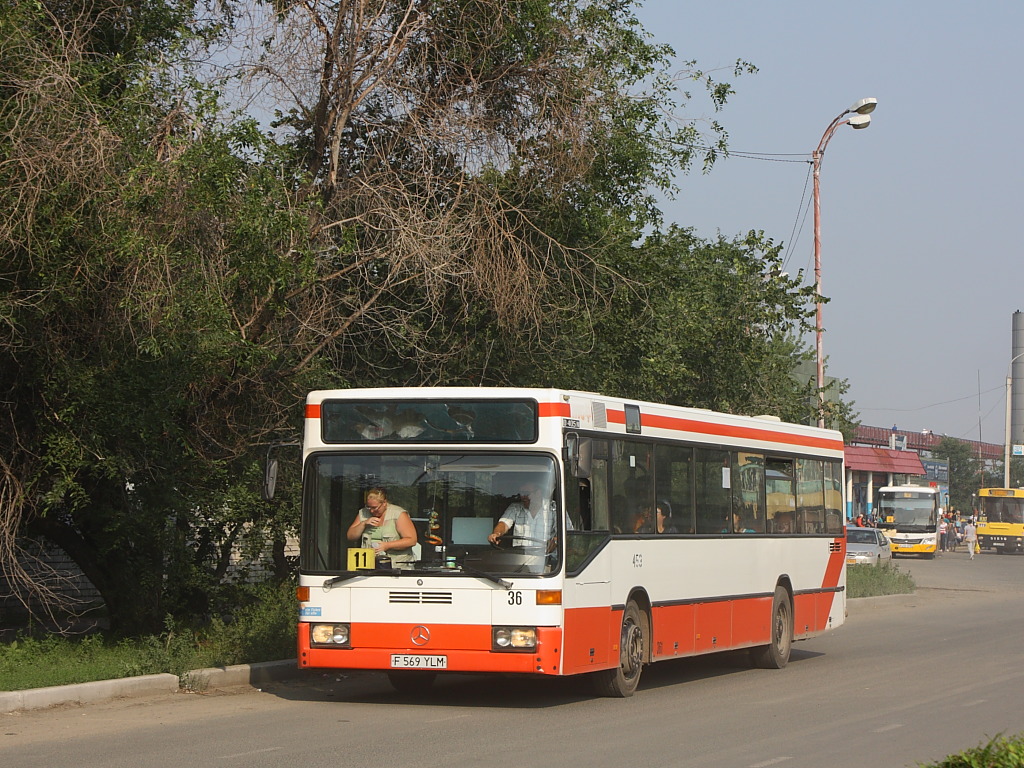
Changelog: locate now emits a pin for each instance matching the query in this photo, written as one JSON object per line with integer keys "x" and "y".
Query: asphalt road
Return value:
{"x": 906, "y": 680}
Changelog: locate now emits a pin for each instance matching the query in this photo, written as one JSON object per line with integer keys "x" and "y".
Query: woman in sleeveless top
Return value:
{"x": 385, "y": 527}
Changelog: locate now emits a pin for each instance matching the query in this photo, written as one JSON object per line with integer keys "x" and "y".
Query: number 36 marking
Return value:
{"x": 515, "y": 598}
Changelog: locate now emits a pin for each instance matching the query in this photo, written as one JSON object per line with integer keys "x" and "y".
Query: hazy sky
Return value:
{"x": 919, "y": 256}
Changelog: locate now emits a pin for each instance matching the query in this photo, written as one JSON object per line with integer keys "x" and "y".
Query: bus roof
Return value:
{"x": 907, "y": 488}
{"x": 657, "y": 419}
{"x": 1015, "y": 493}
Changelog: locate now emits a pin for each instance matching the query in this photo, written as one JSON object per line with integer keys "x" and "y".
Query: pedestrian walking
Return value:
{"x": 971, "y": 537}
{"x": 951, "y": 535}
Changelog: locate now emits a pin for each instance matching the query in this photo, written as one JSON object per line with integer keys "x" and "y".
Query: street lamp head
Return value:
{"x": 859, "y": 121}
{"x": 864, "y": 106}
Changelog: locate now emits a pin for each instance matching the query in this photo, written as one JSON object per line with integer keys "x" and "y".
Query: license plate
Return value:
{"x": 407, "y": 661}
{"x": 851, "y": 561}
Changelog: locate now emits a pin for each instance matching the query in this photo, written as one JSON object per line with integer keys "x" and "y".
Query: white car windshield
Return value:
{"x": 860, "y": 537}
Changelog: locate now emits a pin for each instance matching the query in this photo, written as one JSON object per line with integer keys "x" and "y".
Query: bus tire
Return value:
{"x": 775, "y": 655}
{"x": 621, "y": 682}
{"x": 411, "y": 682}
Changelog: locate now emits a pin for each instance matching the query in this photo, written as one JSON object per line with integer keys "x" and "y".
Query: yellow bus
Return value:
{"x": 1001, "y": 520}
{"x": 909, "y": 515}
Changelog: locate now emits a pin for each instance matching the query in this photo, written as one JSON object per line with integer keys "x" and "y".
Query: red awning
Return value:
{"x": 883, "y": 460}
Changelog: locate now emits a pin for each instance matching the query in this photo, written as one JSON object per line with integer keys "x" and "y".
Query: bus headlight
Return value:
{"x": 514, "y": 638}
{"x": 329, "y": 634}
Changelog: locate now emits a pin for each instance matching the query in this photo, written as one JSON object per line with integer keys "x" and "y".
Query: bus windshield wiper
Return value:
{"x": 353, "y": 574}
{"x": 489, "y": 576}
{"x": 338, "y": 579}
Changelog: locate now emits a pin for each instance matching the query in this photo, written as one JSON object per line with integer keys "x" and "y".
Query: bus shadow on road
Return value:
{"x": 507, "y": 691}
{"x": 694, "y": 668}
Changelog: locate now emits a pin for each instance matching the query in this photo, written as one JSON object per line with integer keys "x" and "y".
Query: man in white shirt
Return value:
{"x": 970, "y": 536}
{"x": 531, "y": 520}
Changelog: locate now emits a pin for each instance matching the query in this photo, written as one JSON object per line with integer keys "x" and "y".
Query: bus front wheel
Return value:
{"x": 622, "y": 681}
{"x": 775, "y": 655}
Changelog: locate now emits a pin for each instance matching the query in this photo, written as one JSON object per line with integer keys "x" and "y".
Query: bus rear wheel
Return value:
{"x": 622, "y": 681}
{"x": 775, "y": 655}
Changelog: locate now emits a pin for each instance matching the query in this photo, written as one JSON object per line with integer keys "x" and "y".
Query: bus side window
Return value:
{"x": 833, "y": 497}
{"x": 673, "y": 470}
{"x": 780, "y": 496}
{"x": 600, "y": 495}
{"x": 810, "y": 495}
{"x": 713, "y": 483}
{"x": 632, "y": 491}
{"x": 748, "y": 491}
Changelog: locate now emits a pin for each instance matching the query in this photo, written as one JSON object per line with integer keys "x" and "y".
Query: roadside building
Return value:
{"x": 880, "y": 456}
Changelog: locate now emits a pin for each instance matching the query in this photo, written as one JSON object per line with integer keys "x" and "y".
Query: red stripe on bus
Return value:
{"x": 591, "y": 639}
{"x": 679, "y": 424}
{"x": 466, "y": 648}
{"x": 591, "y": 634}
{"x": 312, "y": 410}
{"x": 547, "y": 410}
{"x": 836, "y": 561}
{"x": 811, "y": 612}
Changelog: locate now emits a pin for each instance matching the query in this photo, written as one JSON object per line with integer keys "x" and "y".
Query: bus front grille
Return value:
{"x": 420, "y": 598}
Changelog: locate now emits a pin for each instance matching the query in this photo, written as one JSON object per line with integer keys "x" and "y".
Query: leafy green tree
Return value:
{"x": 965, "y": 475}
{"x": 455, "y": 193}
{"x": 476, "y": 165}
{"x": 709, "y": 324}
{"x": 1016, "y": 472}
{"x": 129, "y": 377}
{"x": 174, "y": 281}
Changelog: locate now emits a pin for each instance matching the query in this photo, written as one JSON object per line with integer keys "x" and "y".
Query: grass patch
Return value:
{"x": 998, "y": 753}
{"x": 263, "y": 629}
{"x": 875, "y": 580}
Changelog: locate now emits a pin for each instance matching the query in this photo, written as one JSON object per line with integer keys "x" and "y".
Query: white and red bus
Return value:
{"x": 666, "y": 532}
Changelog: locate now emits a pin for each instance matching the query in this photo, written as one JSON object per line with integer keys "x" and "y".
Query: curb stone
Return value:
{"x": 147, "y": 685}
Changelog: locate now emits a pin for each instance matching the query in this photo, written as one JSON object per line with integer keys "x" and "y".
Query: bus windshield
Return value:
{"x": 454, "y": 500}
{"x": 1003, "y": 510}
{"x": 907, "y": 512}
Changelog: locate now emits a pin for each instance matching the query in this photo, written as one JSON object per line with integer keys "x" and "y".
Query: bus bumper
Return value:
{"x": 1002, "y": 543}
{"x": 370, "y": 649}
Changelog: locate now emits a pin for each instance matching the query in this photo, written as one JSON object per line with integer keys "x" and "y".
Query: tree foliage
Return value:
{"x": 453, "y": 192}
{"x": 965, "y": 475}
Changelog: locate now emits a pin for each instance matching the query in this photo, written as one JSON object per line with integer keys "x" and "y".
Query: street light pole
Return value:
{"x": 861, "y": 110}
{"x": 1006, "y": 441}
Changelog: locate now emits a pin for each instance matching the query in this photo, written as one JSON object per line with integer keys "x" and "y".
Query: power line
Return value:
{"x": 772, "y": 157}
{"x": 800, "y": 220}
{"x": 933, "y": 405}
{"x": 766, "y": 157}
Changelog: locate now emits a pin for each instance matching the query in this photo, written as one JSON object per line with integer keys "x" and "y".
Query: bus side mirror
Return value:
{"x": 579, "y": 454}
{"x": 269, "y": 479}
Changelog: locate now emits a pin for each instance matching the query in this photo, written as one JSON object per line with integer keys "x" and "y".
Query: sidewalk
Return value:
{"x": 147, "y": 685}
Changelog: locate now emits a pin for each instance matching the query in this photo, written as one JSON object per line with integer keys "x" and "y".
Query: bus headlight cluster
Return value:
{"x": 329, "y": 634}
{"x": 514, "y": 638}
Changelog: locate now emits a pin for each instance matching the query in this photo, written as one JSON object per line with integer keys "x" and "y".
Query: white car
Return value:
{"x": 867, "y": 546}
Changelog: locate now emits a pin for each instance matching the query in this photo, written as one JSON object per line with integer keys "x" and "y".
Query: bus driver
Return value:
{"x": 530, "y": 519}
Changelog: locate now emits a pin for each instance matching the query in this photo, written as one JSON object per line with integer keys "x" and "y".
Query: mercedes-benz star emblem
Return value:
{"x": 420, "y": 635}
